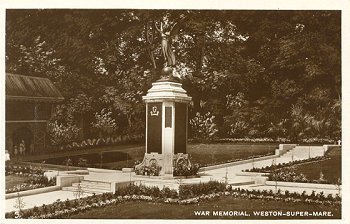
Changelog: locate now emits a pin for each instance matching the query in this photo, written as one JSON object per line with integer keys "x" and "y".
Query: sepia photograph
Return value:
{"x": 173, "y": 114}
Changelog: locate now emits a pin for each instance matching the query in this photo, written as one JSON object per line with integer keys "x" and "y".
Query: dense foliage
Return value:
{"x": 273, "y": 74}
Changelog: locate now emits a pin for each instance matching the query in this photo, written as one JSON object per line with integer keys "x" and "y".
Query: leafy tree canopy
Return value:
{"x": 261, "y": 73}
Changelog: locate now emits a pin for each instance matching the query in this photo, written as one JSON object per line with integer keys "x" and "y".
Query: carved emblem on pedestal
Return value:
{"x": 154, "y": 111}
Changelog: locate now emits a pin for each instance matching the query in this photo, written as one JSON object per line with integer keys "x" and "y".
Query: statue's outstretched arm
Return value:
{"x": 160, "y": 30}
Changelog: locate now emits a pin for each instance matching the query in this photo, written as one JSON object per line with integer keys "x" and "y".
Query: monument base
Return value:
{"x": 155, "y": 164}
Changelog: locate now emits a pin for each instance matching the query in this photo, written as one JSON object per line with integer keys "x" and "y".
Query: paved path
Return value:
{"x": 40, "y": 199}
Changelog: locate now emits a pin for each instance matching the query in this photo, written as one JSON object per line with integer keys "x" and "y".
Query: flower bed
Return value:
{"x": 251, "y": 140}
{"x": 36, "y": 178}
{"x": 270, "y": 140}
{"x": 89, "y": 143}
{"x": 22, "y": 170}
{"x": 189, "y": 194}
{"x": 287, "y": 172}
{"x": 25, "y": 187}
{"x": 272, "y": 168}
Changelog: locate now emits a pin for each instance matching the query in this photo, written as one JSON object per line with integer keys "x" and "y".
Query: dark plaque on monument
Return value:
{"x": 154, "y": 129}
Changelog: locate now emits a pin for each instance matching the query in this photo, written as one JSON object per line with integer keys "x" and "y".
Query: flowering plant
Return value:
{"x": 62, "y": 133}
{"x": 152, "y": 170}
{"x": 203, "y": 127}
{"x": 104, "y": 122}
{"x": 186, "y": 169}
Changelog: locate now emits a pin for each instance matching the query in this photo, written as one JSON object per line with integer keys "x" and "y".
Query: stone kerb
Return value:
{"x": 54, "y": 173}
{"x": 32, "y": 192}
{"x": 303, "y": 185}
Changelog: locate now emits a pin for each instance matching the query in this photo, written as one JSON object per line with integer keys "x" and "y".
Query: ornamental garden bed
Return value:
{"x": 325, "y": 170}
{"x": 22, "y": 178}
{"x": 189, "y": 195}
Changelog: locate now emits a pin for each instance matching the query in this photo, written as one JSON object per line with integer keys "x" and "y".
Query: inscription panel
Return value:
{"x": 154, "y": 127}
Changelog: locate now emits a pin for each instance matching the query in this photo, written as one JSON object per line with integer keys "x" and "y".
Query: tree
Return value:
{"x": 108, "y": 59}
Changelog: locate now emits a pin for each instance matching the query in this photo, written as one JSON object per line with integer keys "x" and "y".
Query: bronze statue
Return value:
{"x": 168, "y": 33}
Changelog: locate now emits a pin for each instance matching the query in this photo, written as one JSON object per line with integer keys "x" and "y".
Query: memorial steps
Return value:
{"x": 304, "y": 152}
{"x": 88, "y": 186}
{"x": 100, "y": 181}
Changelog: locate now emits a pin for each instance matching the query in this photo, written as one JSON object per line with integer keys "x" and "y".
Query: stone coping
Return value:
{"x": 302, "y": 185}
{"x": 33, "y": 191}
{"x": 98, "y": 170}
{"x": 165, "y": 177}
{"x": 251, "y": 174}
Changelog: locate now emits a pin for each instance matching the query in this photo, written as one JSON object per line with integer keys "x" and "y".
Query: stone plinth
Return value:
{"x": 166, "y": 125}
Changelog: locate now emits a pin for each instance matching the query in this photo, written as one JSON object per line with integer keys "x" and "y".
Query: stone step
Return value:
{"x": 93, "y": 185}
{"x": 305, "y": 153}
{"x": 75, "y": 186}
{"x": 85, "y": 190}
{"x": 314, "y": 154}
{"x": 242, "y": 183}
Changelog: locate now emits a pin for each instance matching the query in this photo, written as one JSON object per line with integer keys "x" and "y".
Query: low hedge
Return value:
{"x": 195, "y": 190}
{"x": 270, "y": 140}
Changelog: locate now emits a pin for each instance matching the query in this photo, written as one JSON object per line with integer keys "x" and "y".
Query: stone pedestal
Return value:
{"x": 166, "y": 125}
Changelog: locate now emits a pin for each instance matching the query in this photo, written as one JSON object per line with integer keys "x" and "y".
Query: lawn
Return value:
{"x": 204, "y": 154}
{"x": 13, "y": 180}
{"x": 331, "y": 169}
{"x": 102, "y": 157}
{"x": 148, "y": 210}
